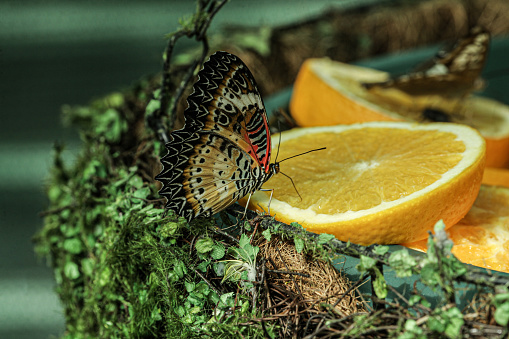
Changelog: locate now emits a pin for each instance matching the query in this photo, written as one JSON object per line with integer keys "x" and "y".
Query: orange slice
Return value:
{"x": 329, "y": 93}
{"x": 482, "y": 237}
{"x": 378, "y": 182}
{"x": 496, "y": 176}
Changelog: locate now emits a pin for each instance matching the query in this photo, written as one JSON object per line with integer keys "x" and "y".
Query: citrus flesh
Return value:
{"x": 378, "y": 182}
{"x": 481, "y": 238}
{"x": 329, "y": 93}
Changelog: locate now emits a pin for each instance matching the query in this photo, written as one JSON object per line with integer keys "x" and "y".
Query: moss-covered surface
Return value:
{"x": 121, "y": 267}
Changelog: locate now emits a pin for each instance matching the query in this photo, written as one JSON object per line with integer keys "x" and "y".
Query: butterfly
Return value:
{"x": 453, "y": 72}
{"x": 223, "y": 151}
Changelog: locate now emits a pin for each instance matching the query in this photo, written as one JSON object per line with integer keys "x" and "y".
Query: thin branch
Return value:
{"x": 205, "y": 12}
{"x": 289, "y": 272}
{"x": 212, "y": 287}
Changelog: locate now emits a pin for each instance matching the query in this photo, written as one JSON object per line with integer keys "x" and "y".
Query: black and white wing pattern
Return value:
{"x": 223, "y": 151}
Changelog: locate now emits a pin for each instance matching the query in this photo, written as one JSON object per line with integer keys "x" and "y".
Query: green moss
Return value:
{"x": 122, "y": 268}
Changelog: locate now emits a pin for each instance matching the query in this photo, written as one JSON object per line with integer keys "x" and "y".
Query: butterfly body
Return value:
{"x": 435, "y": 115}
{"x": 452, "y": 73}
{"x": 223, "y": 151}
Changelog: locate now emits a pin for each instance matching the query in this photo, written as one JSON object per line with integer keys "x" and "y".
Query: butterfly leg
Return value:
{"x": 270, "y": 199}
{"x": 247, "y": 204}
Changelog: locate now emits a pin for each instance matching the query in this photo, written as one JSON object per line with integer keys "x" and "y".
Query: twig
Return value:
{"x": 205, "y": 12}
{"x": 56, "y": 210}
{"x": 224, "y": 234}
{"x": 212, "y": 287}
{"x": 289, "y": 272}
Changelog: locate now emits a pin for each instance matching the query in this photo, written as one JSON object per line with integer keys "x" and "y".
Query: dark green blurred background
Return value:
{"x": 57, "y": 52}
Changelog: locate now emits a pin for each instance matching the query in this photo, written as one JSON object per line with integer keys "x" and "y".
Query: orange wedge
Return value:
{"x": 378, "y": 182}
{"x": 482, "y": 237}
{"x": 330, "y": 93}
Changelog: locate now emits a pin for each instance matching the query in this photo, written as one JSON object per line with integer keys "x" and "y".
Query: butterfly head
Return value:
{"x": 274, "y": 168}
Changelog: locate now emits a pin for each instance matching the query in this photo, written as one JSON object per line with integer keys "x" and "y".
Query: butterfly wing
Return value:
{"x": 453, "y": 72}
{"x": 223, "y": 151}
{"x": 227, "y": 102}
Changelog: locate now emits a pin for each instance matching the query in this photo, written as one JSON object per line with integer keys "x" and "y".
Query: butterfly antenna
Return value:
{"x": 297, "y": 155}
{"x": 292, "y": 184}
{"x": 278, "y": 145}
{"x": 313, "y": 150}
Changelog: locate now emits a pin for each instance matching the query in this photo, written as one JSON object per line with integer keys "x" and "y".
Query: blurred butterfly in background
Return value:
{"x": 223, "y": 151}
{"x": 453, "y": 73}
{"x": 435, "y": 115}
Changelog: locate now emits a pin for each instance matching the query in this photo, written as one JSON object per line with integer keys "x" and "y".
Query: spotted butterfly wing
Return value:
{"x": 453, "y": 72}
{"x": 223, "y": 151}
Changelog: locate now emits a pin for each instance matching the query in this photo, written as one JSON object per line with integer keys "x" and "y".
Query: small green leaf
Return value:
{"x": 412, "y": 331}
{"x": 168, "y": 229}
{"x": 500, "y": 298}
{"x": 365, "y": 264}
{"x": 402, "y": 262}
{"x": 299, "y": 244}
{"x": 71, "y": 270}
{"x": 180, "y": 310}
{"x": 296, "y": 225}
{"x": 73, "y": 246}
{"x": 245, "y": 307}
{"x": 142, "y": 193}
{"x": 449, "y": 322}
{"x": 502, "y": 314}
{"x": 381, "y": 250}
{"x": 227, "y": 299}
{"x": 267, "y": 234}
{"x": 414, "y": 299}
{"x": 136, "y": 181}
{"x": 275, "y": 227}
{"x": 87, "y": 266}
{"x": 182, "y": 222}
{"x": 324, "y": 238}
{"x": 430, "y": 274}
{"x": 202, "y": 288}
{"x": 195, "y": 310}
{"x": 379, "y": 285}
{"x": 188, "y": 319}
{"x": 219, "y": 268}
{"x": 202, "y": 267}
{"x": 218, "y": 251}
{"x": 455, "y": 322}
{"x": 204, "y": 245}
{"x": 54, "y": 193}
{"x": 105, "y": 276}
{"x": 180, "y": 269}
{"x": 152, "y": 106}
{"x": 244, "y": 240}
{"x": 189, "y": 286}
